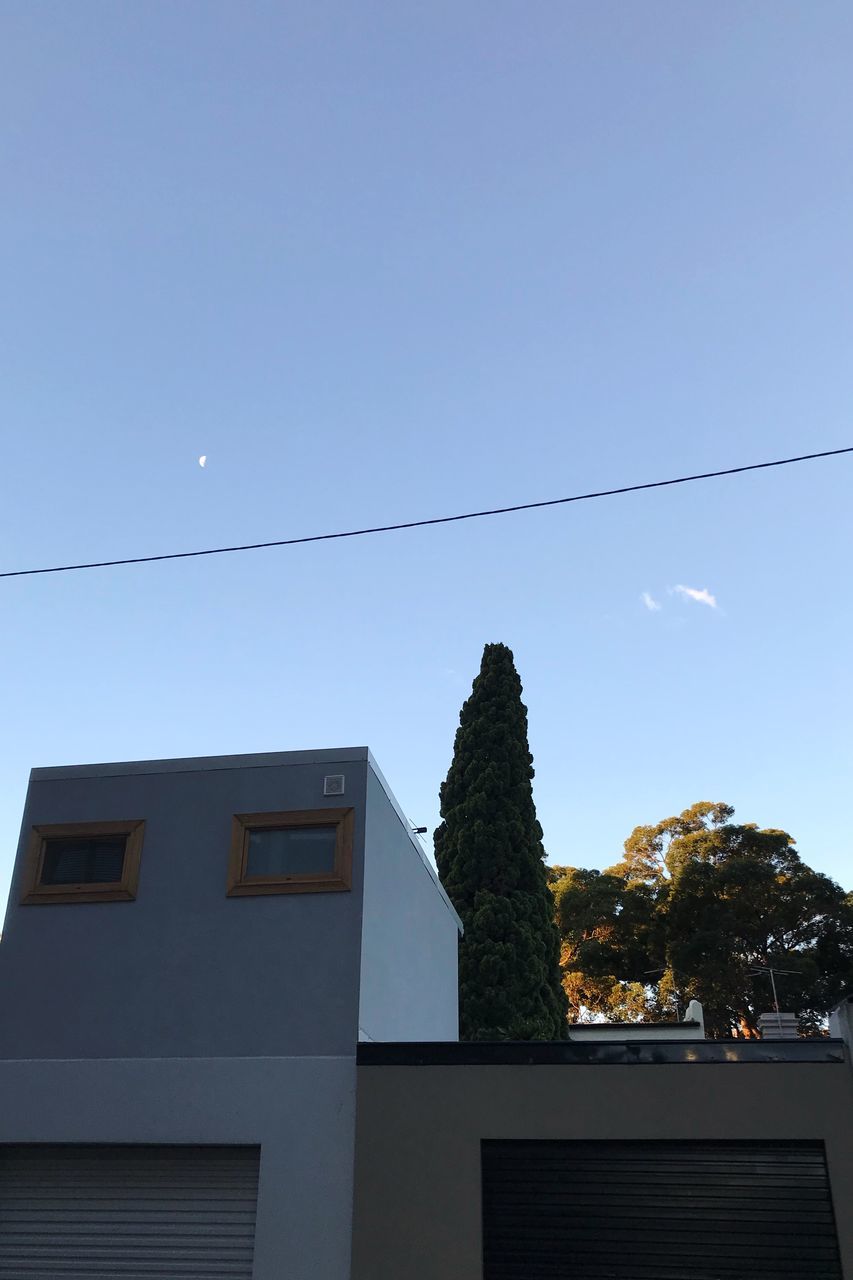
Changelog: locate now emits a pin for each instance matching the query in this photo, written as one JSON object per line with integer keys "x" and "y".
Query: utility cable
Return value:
{"x": 420, "y": 524}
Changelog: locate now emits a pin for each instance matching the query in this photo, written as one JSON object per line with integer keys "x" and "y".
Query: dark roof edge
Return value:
{"x": 201, "y": 764}
{"x": 591, "y": 1053}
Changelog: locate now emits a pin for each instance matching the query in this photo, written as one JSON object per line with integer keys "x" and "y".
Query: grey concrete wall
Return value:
{"x": 418, "y": 1131}
{"x": 185, "y": 970}
{"x": 408, "y": 987}
{"x": 300, "y": 1112}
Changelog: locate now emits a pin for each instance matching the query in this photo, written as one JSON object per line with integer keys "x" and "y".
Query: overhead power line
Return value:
{"x": 420, "y": 524}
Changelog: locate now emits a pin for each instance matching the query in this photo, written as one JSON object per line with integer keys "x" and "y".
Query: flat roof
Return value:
{"x": 551, "y": 1053}
{"x": 195, "y": 764}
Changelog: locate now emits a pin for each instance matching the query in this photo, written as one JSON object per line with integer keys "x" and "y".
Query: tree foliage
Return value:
{"x": 695, "y": 906}
{"x": 490, "y": 859}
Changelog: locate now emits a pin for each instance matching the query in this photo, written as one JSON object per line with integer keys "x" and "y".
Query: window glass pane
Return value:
{"x": 88, "y": 860}
{"x": 291, "y": 851}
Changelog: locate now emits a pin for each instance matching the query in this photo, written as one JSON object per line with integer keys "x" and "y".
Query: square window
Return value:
{"x": 83, "y": 862}
{"x": 304, "y": 851}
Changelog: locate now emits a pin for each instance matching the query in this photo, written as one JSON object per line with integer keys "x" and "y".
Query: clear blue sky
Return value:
{"x": 392, "y": 260}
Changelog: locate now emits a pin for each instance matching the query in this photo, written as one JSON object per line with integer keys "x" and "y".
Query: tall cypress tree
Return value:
{"x": 490, "y": 858}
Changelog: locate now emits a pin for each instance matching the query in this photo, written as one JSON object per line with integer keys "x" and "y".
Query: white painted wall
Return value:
{"x": 841, "y": 1022}
{"x": 408, "y": 987}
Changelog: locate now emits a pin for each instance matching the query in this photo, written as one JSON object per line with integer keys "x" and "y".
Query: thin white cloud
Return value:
{"x": 653, "y": 606}
{"x": 701, "y": 597}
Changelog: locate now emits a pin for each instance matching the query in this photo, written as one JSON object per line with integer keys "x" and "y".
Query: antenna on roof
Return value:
{"x": 758, "y": 970}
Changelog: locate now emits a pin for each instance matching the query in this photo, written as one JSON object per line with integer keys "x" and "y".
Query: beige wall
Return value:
{"x": 418, "y": 1131}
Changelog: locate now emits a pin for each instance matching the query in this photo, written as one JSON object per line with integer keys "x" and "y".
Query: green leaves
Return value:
{"x": 696, "y": 908}
{"x": 491, "y": 862}
{"x": 696, "y": 905}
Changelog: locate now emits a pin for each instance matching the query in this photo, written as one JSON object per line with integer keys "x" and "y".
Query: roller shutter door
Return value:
{"x": 657, "y": 1211}
{"x": 120, "y": 1212}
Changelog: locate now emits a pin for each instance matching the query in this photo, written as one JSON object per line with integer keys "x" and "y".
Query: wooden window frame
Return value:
{"x": 124, "y": 890}
{"x": 336, "y": 881}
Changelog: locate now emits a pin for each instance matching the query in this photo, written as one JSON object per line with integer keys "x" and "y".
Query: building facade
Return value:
{"x": 228, "y": 1047}
{"x": 632, "y": 1160}
{"x": 191, "y": 952}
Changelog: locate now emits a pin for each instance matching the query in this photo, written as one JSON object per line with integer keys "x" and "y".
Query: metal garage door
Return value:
{"x": 657, "y": 1211}
{"x": 110, "y": 1213}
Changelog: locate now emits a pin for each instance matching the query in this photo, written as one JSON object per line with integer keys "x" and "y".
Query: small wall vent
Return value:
{"x": 333, "y": 784}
